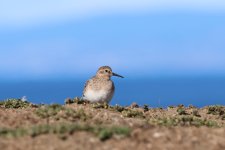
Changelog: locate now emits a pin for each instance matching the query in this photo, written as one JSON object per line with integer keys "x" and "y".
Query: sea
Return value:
{"x": 154, "y": 92}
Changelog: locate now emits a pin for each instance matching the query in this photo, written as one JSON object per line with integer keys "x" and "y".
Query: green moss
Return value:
{"x": 66, "y": 113}
{"x": 13, "y": 132}
{"x": 164, "y": 121}
{"x": 102, "y": 132}
{"x": 106, "y": 133}
{"x": 131, "y": 113}
{"x": 49, "y": 110}
{"x": 210, "y": 123}
{"x": 72, "y": 114}
{"x": 183, "y": 121}
{"x": 14, "y": 103}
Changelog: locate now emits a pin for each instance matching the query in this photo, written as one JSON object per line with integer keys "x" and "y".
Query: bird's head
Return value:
{"x": 106, "y": 72}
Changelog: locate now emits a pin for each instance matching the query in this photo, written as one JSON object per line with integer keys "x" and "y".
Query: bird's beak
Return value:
{"x": 114, "y": 74}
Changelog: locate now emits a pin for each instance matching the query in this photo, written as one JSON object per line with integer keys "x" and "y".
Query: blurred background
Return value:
{"x": 170, "y": 52}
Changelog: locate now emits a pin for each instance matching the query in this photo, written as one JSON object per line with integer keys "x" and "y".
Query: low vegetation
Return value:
{"x": 216, "y": 110}
{"x": 102, "y": 132}
{"x": 183, "y": 121}
{"x": 103, "y": 120}
{"x": 57, "y": 112}
{"x": 14, "y": 103}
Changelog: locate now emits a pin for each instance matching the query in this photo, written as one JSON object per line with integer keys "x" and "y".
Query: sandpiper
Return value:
{"x": 100, "y": 88}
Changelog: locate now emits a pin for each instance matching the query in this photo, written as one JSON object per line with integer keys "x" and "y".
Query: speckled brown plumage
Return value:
{"x": 100, "y": 88}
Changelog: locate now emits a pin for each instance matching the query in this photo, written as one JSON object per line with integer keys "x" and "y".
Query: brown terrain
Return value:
{"x": 80, "y": 125}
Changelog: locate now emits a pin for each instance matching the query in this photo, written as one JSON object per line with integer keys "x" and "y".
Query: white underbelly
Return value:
{"x": 98, "y": 96}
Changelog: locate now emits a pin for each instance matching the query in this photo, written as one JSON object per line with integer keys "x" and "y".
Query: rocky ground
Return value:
{"x": 80, "y": 125}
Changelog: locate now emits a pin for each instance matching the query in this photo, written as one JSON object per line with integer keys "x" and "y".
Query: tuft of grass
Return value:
{"x": 118, "y": 108}
{"x": 102, "y": 132}
{"x": 183, "y": 121}
{"x": 71, "y": 114}
{"x": 216, "y": 110}
{"x": 69, "y": 101}
{"x": 145, "y": 107}
{"x": 66, "y": 113}
{"x": 131, "y": 113}
{"x": 100, "y": 105}
{"x": 49, "y": 110}
{"x": 107, "y": 133}
{"x": 4, "y": 132}
{"x": 171, "y": 107}
{"x": 126, "y": 111}
{"x": 181, "y": 111}
{"x": 76, "y": 100}
{"x": 14, "y": 103}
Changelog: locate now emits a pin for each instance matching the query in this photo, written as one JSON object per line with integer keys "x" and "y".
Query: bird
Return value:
{"x": 100, "y": 88}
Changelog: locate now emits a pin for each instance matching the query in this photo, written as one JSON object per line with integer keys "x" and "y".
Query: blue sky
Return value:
{"x": 69, "y": 39}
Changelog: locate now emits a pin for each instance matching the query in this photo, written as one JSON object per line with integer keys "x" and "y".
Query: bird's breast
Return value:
{"x": 98, "y": 95}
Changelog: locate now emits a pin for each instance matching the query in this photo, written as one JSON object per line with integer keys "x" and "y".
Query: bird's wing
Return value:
{"x": 85, "y": 87}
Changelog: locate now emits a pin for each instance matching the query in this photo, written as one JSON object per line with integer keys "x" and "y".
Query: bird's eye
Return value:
{"x": 106, "y": 70}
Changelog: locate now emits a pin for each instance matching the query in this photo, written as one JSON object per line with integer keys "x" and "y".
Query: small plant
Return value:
{"x": 164, "y": 121}
{"x": 181, "y": 111}
{"x": 78, "y": 100}
{"x": 106, "y": 133}
{"x": 14, "y": 103}
{"x": 186, "y": 121}
{"x": 102, "y": 132}
{"x": 171, "y": 107}
{"x": 68, "y": 101}
{"x": 183, "y": 121}
{"x": 66, "y": 113}
{"x": 49, "y": 110}
{"x": 118, "y": 108}
{"x": 4, "y": 132}
{"x": 216, "y": 110}
{"x": 100, "y": 105}
{"x": 72, "y": 114}
{"x": 132, "y": 113}
{"x": 210, "y": 123}
{"x": 145, "y": 107}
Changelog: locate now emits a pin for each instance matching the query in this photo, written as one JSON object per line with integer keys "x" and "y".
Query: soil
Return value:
{"x": 176, "y": 127}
